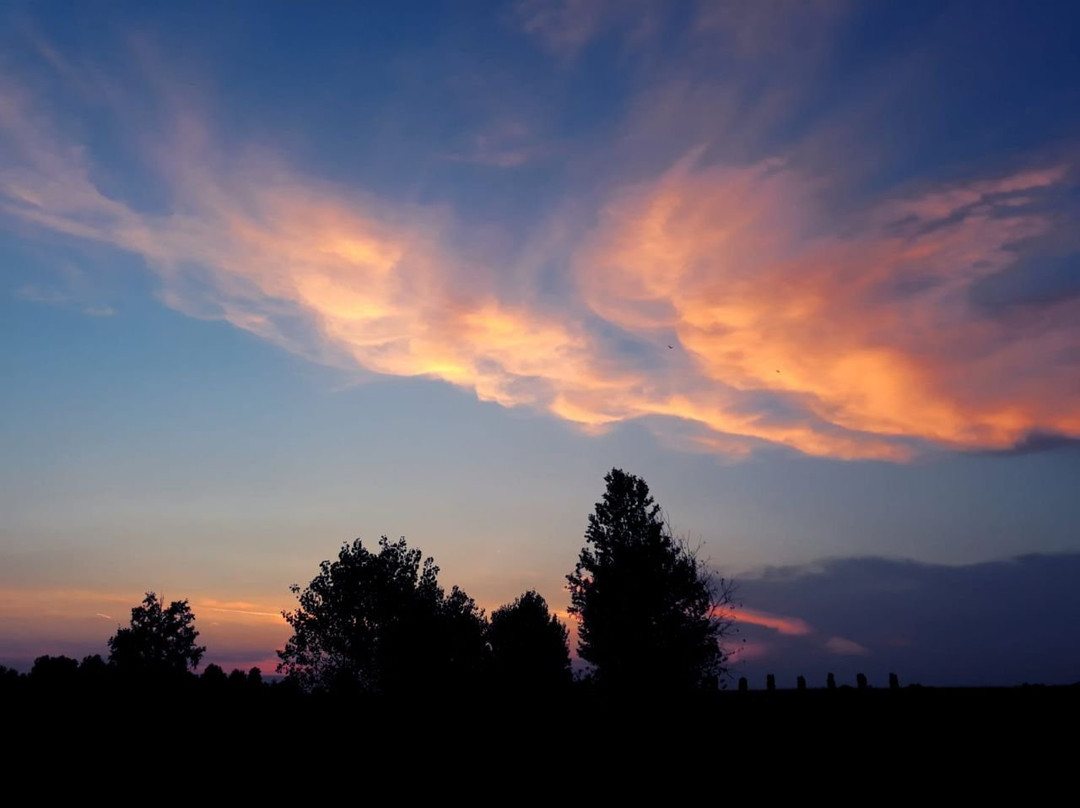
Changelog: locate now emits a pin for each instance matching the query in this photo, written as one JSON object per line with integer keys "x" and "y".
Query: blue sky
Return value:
{"x": 273, "y": 277}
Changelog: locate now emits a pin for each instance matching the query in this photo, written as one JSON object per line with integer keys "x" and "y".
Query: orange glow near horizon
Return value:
{"x": 79, "y": 622}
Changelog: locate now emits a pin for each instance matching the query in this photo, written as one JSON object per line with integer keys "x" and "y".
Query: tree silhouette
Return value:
{"x": 528, "y": 646}
{"x": 380, "y": 622}
{"x": 651, "y": 617}
{"x": 158, "y": 641}
{"x": 214, "y": 677}
{"x": 54, "y": 671}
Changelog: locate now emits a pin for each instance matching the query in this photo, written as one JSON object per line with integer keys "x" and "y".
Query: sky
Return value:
{"x": 275, "y": 276}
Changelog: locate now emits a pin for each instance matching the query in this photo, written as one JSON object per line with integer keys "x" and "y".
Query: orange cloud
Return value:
{"x": 785, "y": 625}
{"x": 237, "y": 610}
{"x": 55, "y": 605}
{"x": 871, "y": 337}
{"x": 858, "y": 345}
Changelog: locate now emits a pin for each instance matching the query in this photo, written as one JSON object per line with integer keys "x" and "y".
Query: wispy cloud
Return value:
{"x": 785, "y": 625}
{"x": 564, "y": 26}
{"x": 844, "y": 647}
{"x": 870, "y": 336}
{"x": 507, "y": 144}
{"x": 57, "y": 297}
{"x": 99, "y": 311}
{"x": 36, "y": 294}
{"x": 251, "y": 610}
{"x": 717, "y": 300}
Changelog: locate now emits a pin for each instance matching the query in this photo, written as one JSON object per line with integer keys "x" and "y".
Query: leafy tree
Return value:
{"x": 93, "y": 665}
{"x": 158, "y": 641}
{"x": 9, "y": 679}
{"x": 651, "y": 617}
{"x": 54, "y": 670}
{"x": 380, "y": 622}
{"x": 528, "y": 646}
{"x": 214, "y": 676}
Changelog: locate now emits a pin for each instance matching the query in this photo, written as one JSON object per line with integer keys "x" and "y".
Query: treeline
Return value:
{"x": 415, "y": 639}
{"x": 651, "y": 619}
{"x": 375, "y": 624}
{"x": 505, "y": 673}
{"x": 383, "y": 658}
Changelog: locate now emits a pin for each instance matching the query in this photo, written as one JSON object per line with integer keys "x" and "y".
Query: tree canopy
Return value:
{"x": 528, "y": 646}
{"x": 379, "y": 622}
{"x": 158, "y": 640}
{"x": 651, "y": 616}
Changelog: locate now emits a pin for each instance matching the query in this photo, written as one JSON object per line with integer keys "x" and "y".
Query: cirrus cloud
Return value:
{"x": 719, "y": 297}
{"x": 871, "y": 334}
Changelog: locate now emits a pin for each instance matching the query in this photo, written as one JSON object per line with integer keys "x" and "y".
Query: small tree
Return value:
{"x": 380, "y": 622}
{"x": 158, "y": 641}
{"x": 528, "y": 646}
{"x": 651, "y": 616}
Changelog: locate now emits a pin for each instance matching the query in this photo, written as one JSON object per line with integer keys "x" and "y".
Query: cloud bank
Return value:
{"x": 993, "y": 623}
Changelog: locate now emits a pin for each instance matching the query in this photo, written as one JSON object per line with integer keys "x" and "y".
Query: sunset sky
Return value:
{"x": 277, "y": 275}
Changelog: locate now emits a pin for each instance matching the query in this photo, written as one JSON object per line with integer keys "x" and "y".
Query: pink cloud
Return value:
{"x": 844, "y": 647}
{"x": 855, "y": 339}
{"x": 566, "y": 26}
{"x": 785, "y": 625}
{"x": 872, "y": 333}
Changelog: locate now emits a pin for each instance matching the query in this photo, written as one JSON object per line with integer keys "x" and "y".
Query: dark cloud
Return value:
{"x": 1035, "y": 443}
{"x": 1039, "y": 282}
{"x": 995, "y": 623}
